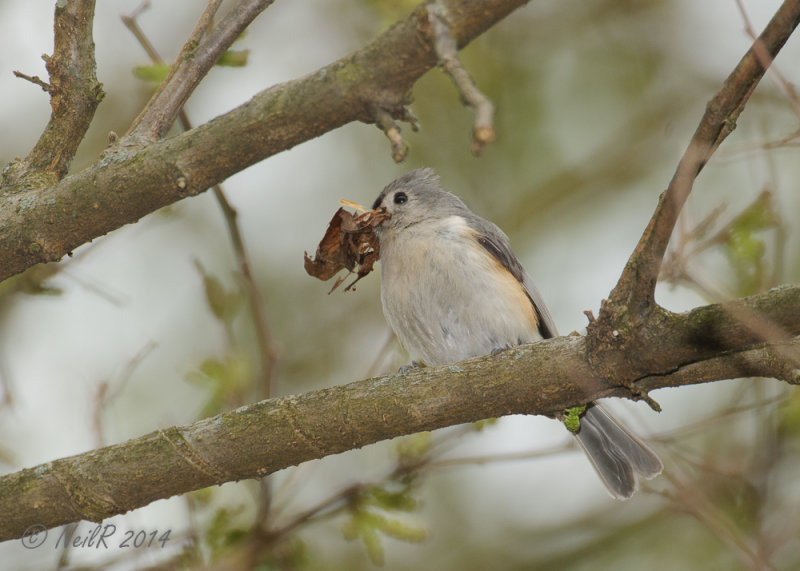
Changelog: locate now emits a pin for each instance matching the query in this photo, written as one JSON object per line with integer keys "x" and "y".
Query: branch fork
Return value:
{"x": 74, "y": 93}
{"x": 617, "y": 341}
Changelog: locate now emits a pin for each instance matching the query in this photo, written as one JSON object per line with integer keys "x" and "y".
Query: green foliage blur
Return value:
{"x": 595, "y": 101}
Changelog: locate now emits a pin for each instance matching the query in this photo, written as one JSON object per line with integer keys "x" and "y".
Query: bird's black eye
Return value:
{"x": 400, "y": 198}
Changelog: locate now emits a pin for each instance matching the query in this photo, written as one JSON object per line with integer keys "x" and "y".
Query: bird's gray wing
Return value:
{"x": 494, "y": 240}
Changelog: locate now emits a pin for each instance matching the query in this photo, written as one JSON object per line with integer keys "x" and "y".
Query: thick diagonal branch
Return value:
{"x": 636, "y": 285}
{"x": 709, "y": 343}
{"x": 616, "y": 340}
{"x": 130, "y": 182}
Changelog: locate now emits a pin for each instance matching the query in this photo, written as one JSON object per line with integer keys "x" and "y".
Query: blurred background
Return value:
{"x": 152, "y": 325}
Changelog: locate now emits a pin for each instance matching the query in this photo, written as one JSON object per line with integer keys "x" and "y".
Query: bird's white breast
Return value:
{"x": 447, "y": 298}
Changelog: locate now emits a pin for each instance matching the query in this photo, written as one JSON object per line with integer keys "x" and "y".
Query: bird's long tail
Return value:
{"x": 617, "y": 455}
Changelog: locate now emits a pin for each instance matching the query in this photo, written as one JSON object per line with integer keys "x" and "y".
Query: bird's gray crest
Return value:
{"x": 424, "y": 178}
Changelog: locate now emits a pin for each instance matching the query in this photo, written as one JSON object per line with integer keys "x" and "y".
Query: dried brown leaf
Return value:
{"x": 349, "y": 243}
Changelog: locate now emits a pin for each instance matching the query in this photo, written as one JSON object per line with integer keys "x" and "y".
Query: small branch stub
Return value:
{"x": 447, "y": 50}
{"x": 392, "y": 130}
{"x": 36, "y": 80}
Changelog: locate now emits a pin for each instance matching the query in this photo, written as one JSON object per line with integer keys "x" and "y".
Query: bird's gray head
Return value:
{"x": 416, "y": 197}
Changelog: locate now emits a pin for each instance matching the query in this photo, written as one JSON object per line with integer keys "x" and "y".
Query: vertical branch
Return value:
{"x": 266, "y": 349}
{"x": 107, "y": 391}
{"x": 74, "y": 95}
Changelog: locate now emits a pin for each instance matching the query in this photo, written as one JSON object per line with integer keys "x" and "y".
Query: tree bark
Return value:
{"x": 707, "y": 344}
{"x": 634, "y": 347}
{"x": 133, "y": 179}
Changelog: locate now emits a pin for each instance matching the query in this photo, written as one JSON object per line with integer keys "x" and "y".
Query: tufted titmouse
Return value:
{"x": 452, "y": 288}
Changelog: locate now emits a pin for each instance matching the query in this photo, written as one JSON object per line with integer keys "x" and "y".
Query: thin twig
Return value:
{"x": 691, "y": 499}
{"x": 107, "y": 392}
{"x": 774, "y": 336}
{"x": 375, "y": 368}
{"x": 267, "y": 352}
{"x": 504, "y": 457}
{"x": 36, "y": 80}
{"x": 441, "y": 443}
{"x": 338, "y": 501}
{"x": 447, "y": 51}
{"x": 678, "y": 434}
{"x": 7, "y": 401}
{"x": 677, "y": 268}
{"x": 319, "y": 510}
{"x": 131, "y": 22}
{"x": 789, "y": 140}
{"x": 785, "y": 87}
{"x": 198, "y": 55}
